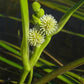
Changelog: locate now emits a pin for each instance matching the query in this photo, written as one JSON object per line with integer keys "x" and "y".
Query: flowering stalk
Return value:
{"x": 72, "y": 65}
{"x": 47, "y": 26}
{"x": 38, "y": 13}
{"x": 38, "y": 50}
{"x": 25, "y": 43}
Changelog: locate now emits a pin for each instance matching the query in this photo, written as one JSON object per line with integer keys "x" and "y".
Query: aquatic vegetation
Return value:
{"x": 44, "y": 26}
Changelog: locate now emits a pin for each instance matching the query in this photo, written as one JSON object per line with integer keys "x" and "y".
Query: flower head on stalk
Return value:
{"x": 36, "y": 37}
{"x": 48, "y": 24}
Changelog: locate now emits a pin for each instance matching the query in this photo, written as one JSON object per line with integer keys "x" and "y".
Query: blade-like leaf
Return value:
{"x": 72, "y": 33}
{"x": 67, "y": 15}
{"x": 10, "y": 63}
{"x": 62, "y": 8}
{"x": 39, "y": 65}
{"x": 9, "y": 44}
{"x": 10, "y": 48}
{"x": 10, "y": 17}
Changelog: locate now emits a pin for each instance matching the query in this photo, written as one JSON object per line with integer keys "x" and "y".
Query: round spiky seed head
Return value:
{"x": 40, "y": 13}
{"x": 36, "y": 20}
{"x": 36, "y": 6}
{"x": 48, "y": 24}
{"x": 35, "y": 37}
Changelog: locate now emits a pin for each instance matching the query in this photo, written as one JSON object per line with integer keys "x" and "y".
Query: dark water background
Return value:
{"x": 64, "y": 47}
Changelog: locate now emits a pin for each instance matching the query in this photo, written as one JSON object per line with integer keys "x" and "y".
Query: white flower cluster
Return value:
{"x": 48, "y": 24}
{"x": 35, "y": 37}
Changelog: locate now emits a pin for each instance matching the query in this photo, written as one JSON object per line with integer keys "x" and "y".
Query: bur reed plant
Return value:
{"x": 44, "y": 27}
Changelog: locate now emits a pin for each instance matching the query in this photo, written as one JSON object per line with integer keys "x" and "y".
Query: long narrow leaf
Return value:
{"x": 60, "y": 71}
{"x": 61, "y": 8}
{"x": 46, "y": 70}
{"x": 9, "y": 48}
{"x": 42, "y": 60}
{"x": 76, "y": 76}
{"x": 10, "y": 17}
{"x": 72, "y": 33}
{"x": 12, "y": 45}
{"x": 68, "y": 14}
{"x": 66, "y": 78}
{"x": 10, "y": 63}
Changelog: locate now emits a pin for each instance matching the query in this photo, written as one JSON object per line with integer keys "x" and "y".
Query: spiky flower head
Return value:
{"x": 35, "y": 37}
{"x": 48, "y": 24}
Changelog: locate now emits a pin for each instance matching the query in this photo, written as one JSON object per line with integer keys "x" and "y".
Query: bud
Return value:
{"x": 36, "y": 6}
{"x": 40, "y": 13}
{"x": 36, "y": 20}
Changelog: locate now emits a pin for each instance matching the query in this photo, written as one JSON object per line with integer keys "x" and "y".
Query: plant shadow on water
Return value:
{"x": 63, "y": 46}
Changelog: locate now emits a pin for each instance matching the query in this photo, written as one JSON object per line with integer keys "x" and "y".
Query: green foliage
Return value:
{"x": 66, "y": 78}
{"x": 63, "y": 6}
{"x": 11, "y": 63}
{"x": 29, "y": 63}
{"x": 68, "y": 14}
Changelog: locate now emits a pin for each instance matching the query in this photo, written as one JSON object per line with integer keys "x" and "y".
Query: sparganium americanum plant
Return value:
{"x": 39, "y": 36}
{"x": 44, "y": 27}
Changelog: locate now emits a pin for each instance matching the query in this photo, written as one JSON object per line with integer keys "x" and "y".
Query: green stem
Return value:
{"x": 23, "y": 76}
{"x": 25, "y": 42}
{"x": 60, "y": 71}
{"x": 38, "y": 50}
{"x": 31, "y": 76}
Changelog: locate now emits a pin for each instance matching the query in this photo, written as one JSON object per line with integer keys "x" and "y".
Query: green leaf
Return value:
{"x": 67, "y": 15}
{"x": 42, "y": 61}
{"x": 9, "y": 48}
{"x": 76, "y": 76}
{"x": 60, "y": 71}
{"x": 9, "y": 44}
{"x": 72, "y": 33}
{"x": 10, "y": 63}
{"x": 61, "y": 5}
{"x": 67, "y": 79}
{"x": 10, "y": 17}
